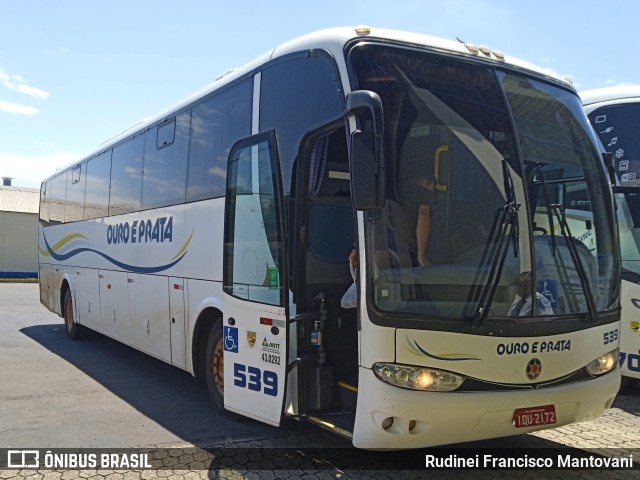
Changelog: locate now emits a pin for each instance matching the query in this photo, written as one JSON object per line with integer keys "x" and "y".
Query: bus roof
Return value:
{"x": 338, "y": 37}
{"x": 333, "y": 40}
{"x": 610, "y": 94}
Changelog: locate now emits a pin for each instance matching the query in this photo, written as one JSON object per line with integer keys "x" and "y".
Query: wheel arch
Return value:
{"x": 65, "y": 286}
{"x": 205, "y": 322}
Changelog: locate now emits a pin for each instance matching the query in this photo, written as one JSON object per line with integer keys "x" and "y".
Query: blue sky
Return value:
{"x": 75, "y": 73}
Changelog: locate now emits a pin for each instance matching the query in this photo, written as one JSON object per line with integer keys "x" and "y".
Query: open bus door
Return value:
{"x": 256, "y": 294}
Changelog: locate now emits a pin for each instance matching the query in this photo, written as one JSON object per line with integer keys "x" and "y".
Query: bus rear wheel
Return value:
{"x": 74, "y": 330}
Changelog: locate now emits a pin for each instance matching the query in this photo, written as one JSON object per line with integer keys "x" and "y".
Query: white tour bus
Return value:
{"x": 215, "y": 237}
{"x": 614, "y": 114}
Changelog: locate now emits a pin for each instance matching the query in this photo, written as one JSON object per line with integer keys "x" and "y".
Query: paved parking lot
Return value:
{"x": 101, "y": 394}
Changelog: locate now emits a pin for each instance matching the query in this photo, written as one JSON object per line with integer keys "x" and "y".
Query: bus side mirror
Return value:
{"x": 366, "y": 159}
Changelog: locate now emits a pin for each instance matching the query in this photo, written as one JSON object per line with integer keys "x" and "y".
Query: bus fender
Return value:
{"x": 67, "y": 278}
{"x": 207, "y": 311}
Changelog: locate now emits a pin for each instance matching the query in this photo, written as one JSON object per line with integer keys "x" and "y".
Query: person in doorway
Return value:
{"x": 353, "y": 257}
{"x": 350, "y": 297}
{"x": 522, "y": 305}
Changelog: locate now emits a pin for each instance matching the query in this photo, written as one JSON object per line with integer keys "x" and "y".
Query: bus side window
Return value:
{"x": 45, "y": 201}
{"x": 164, "y": 178}
{"x": 330, "y": 220}
{"x": 216, "y": 124}
{"x": 331, "y": 232}
{"x": 75, "y": 194}
{"x": 126, "y": 176}
{"x": 58, "y": 195}
{"x": 253, "y": 233}
{"x": 96, "y": 201}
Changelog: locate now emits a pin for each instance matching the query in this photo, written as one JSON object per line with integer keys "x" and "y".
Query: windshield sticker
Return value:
{"x": 549, "y": 288}
{"x": 268, "y": 346}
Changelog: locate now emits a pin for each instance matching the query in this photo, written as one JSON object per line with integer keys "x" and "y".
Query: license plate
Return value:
{"x": 534, "y": 416}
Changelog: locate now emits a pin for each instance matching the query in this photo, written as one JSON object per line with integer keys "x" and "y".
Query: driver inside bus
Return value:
{"x": 522, "y": 305}
{"x": 421, "y": 195}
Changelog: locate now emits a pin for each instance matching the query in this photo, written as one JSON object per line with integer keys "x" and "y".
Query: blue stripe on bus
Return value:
{"x": 117, "y": 263}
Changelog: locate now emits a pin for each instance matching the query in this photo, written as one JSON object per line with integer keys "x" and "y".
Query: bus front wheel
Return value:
{"x": 74, "y": 330}
{"x": 215, "y": 365}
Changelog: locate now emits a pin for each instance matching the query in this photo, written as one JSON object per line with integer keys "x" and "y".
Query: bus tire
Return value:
{"x": 214, "y": 365}
{"x": 74, "y": 330}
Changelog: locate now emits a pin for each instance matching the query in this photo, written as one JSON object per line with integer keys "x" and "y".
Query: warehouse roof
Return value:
{"x": 19, "y": 199}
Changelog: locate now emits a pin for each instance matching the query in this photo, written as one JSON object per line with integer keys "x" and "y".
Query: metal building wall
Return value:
{"x": 18, "y": 245}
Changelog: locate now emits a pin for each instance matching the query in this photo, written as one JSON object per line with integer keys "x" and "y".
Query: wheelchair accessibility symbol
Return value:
{"x": 549, "y": 288}
{"x": 230, "y": 339}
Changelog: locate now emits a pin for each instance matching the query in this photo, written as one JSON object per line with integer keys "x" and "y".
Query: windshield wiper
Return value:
{"x": 556, "y": 208}
{"x": 503, "y": 231}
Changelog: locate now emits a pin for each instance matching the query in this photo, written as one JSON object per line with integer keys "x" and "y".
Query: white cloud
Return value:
{"x": 32, "y": 91}
{"x": 16, "y": 83}
{"x": 29, "y": 171}
{"x": 10, "y": 107}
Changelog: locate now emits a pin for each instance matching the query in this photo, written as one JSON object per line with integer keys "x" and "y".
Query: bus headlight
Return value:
{"x": 418, "y": 378}
{"x": 604, "y": 364}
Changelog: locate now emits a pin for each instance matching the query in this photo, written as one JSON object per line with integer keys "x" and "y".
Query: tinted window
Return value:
{"x": 97, "y": 190}
{"x": 296, "y": 97}
{"x": 165, "y": 163}
{"x": 331, "y": 232}
{"x": 469, "y": 149}
{"x": 44, "y": 203}
{"x": 126, "y": 176}
{"x": 216, "y": 125}
{"x": 75, "y": 194}
{"x": 58, "y": 195}
{"x": 252, "y": 235}
{"x": 166, "y": 134}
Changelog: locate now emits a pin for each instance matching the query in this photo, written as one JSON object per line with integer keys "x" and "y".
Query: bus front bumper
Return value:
{"x": 389, "y": 417}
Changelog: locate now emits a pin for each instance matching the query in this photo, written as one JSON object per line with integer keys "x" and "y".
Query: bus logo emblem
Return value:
{"x": 534, "y": 368}
{"x": 251, "y": 338}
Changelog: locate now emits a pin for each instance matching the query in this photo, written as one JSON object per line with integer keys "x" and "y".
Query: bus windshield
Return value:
{"x": 494, "y": 194}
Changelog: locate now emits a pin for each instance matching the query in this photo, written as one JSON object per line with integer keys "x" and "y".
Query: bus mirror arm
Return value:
{"x": 607, "y": 157}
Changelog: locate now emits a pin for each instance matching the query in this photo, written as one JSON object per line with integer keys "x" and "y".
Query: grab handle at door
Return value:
{"x": 436, "y": 166}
